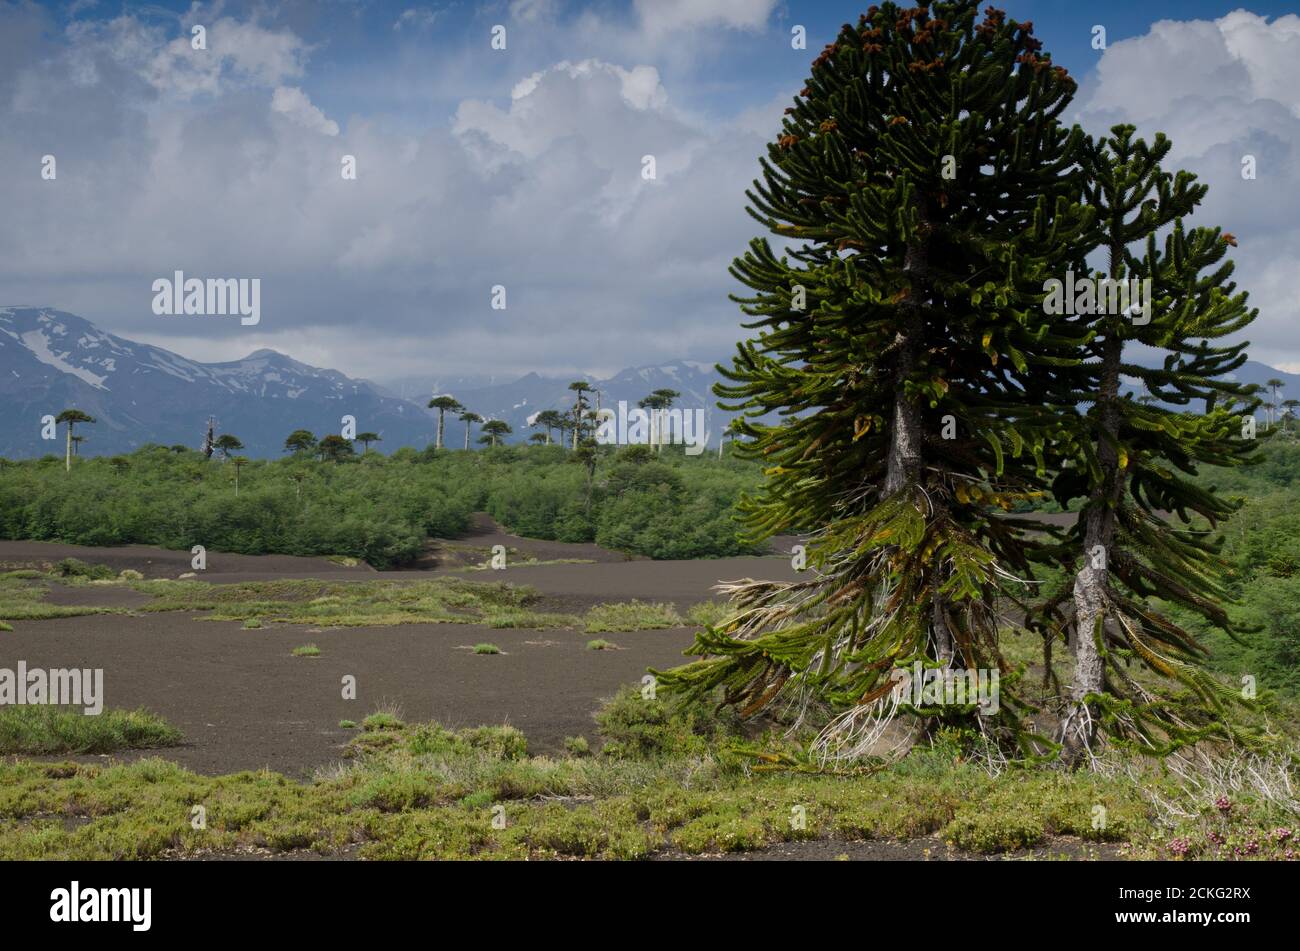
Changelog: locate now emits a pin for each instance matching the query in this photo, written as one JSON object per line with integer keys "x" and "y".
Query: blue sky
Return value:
{"x": 520, "y": 167}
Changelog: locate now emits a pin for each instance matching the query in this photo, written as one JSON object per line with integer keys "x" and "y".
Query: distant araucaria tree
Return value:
{"x": 71, "y": 417}
{"x": 444, "y": 405}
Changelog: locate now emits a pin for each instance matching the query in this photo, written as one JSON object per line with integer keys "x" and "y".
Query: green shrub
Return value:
{"x": 636, "y": 727}
{"x": 76, "y": 568}
{"x": 36, "y": 730}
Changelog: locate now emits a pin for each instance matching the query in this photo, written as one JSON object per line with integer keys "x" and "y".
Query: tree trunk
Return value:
{"x": 438, "y": 445}
{"x": 904, "y": 464}
{"x": 466, "y": 434}
{"x": 942, "y": 633}
{"x": 67, "y": 458}
{"x": 1091, "y": 601}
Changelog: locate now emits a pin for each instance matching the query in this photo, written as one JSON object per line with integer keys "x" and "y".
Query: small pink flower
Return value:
{"x": 1281, "y": 834}
{"x": 1223, "y": 805}
{"x": 1179, "y": 846}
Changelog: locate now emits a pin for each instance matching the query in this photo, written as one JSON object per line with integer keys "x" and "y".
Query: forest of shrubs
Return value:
{"x": 380, "y": 508}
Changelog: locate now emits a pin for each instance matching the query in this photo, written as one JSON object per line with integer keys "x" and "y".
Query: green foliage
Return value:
{"x": 638, "y": 727}
{"x": 380, "y": 510}
{"x": 631, "y": 616}
{"x": 928, "y": 393}
{"x": 41, "y": 730}
{"x": 76, "y": 568}
{"x": 906, "y": 302}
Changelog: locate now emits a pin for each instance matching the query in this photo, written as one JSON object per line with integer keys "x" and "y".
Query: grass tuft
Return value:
{"x": 632, "y": 616}
{"x": 41, "y": 730}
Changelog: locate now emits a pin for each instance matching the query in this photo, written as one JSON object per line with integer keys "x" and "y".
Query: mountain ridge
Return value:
{"x": 51, "y": 360}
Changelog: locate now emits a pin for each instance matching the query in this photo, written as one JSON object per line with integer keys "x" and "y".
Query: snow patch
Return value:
{"x": 39, "y": 346}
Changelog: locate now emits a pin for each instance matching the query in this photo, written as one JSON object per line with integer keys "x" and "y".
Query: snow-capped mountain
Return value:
{"x": 51, "y": 360}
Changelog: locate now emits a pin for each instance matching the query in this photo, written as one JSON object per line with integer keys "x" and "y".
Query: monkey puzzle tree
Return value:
{"x": 71, "y": 417}
{"x": 664, "y": 399}
{"x": 652, "y": 404}
{"x": 300, "y": 440}
{"x": 1274, "y": 404}
{"x": 579, "y": 387}
{"x": 497, "y": 429}
{"x": 468, "y": 417}
{"x": 366, "y": 439}
{"x": 335, "y": 448}
{"x": 925, "y": 189}
{"x": 1133, "y": 460}
{"x": 549, "y": 419}
{"x": 444, "y": 405}
{"x": 226, "y": 444}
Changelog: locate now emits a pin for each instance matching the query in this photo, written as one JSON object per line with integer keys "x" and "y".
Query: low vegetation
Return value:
{"x": 440, "y": 600}
{"x": 43, "y": 730}
{"x": 631, "y": 616}
{"x": 380, "y": 509}
{"x": 663, "y": 782}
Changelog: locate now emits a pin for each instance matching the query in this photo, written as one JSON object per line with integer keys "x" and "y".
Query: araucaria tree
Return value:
{"x": 496, "y": 430}
{"x": 923, "y": 186}
{"x": 70, "y": 417}
{"x": 931, "y": 204}
{"x": 1133, "y": 459}
{"x": 227, "y": 444}
{"x": 467, "y": 418}
{"x": 444, "y": 405}
{"x": 580, "y": 404}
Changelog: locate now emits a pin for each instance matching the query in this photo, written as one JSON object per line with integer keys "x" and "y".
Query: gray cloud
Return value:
{"x": 1221, "y": 90}
{"x": 228, "y": 169}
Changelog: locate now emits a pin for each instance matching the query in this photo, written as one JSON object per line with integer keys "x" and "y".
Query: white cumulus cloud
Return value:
{"x": 1223, "y": 90}
{"x": 293, "y": 103}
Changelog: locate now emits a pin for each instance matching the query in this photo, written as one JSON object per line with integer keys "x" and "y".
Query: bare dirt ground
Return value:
{"x": 244, "y": 702}
{"x": 163, "y": 563}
